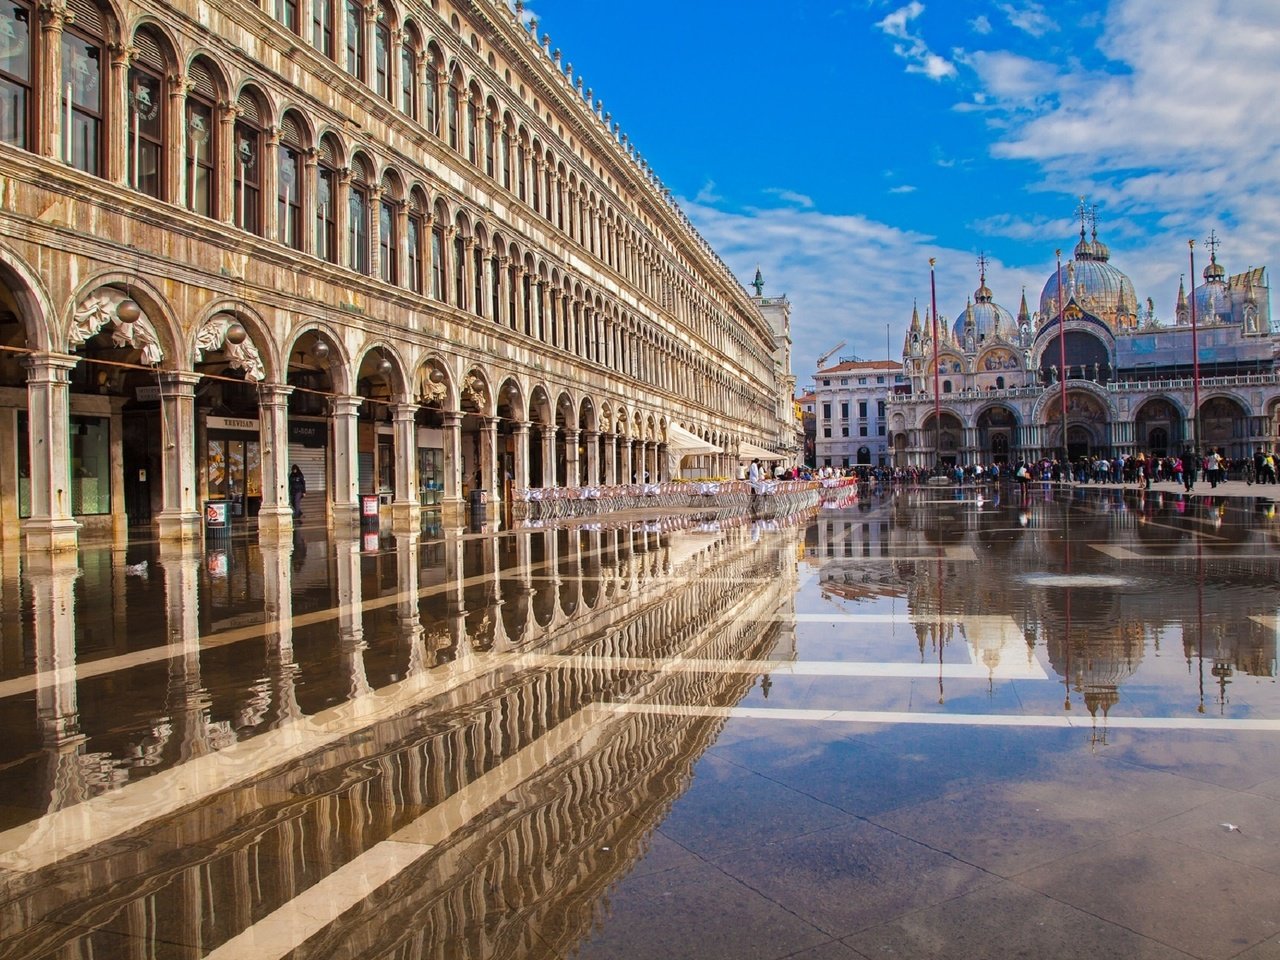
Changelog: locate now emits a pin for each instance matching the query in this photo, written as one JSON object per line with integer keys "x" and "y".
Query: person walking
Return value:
{"x": 1190, "y": 461}
{"x": 297, "y": 490}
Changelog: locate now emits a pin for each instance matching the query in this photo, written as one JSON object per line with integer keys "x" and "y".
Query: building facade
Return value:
{"x": 992, "y": 386}
{"x": 850, "y": 401}
{"x": 393, "y": 242}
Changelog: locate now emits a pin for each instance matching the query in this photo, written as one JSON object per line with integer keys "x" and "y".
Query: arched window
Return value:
{"x": 473, "y": 131}
{"x": 505, "y": 147}
{"x": 287, "y": 14}
{"x": 513, "y": 281}
{"x": 417, "y": 232}
{"x": 382, "y": 53}
{"x": 477, "y": 274}
{"x": 409, "y": 74}
{"x": 327, "y": 200}
{"x": 148, "y": 92}
{"x": 83, "y": 89}
{"x": 355, "y": 39}
{"x": 946, "y": 386}
{"x": 389, "y": 231}
{"x": 248, "y": 165}
{"x": 289, "y": 171}
{"x": 437, "y": 256}
{"x": 451, "y": 110}
{"x": 495, "y": 283}
{"x": 358, "y": 218}
{"x": 17, "y": 68}
{"x": 490, "y": 141}
{"x": 535, "y": 180}
{"x": 201, "y": 142}
{"x": 433, "y": 91}
{"x": 322, "y": 27}
{"x": 522, "y": 165}
{"x": 460, "y": 241}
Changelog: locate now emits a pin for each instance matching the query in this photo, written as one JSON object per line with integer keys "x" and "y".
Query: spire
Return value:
{"x": 1213, "y": 273}
{"x": 915, "y": 317}
{"x": 982, "y": 294}
{"x": 1024, "y": 314}
{"x": 1182, "y": 293}
{"x": 758, "y": 282}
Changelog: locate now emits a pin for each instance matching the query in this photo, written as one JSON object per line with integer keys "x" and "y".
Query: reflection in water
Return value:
{"x": 455, "y": 743}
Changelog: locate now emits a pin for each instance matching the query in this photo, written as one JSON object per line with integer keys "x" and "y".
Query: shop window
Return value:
{"x": 15, "y": 74}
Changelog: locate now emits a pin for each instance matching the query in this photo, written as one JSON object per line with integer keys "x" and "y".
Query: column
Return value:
{"x": 351, "y": 645}
{"x": 179, "y": 516}
{"x": 50, "y": 111}
{"x": 451, "y": 501}
{"x": 342, "y": 212}
{"x": 374, "y": 216}
{"x": 116, "y": 122}
{"x": 274, "y": 516}
{"x": 549, "y": 472}
{"x": 277, "y": 607}
{"x": 571, "y": 476}
{"x": 51, "y": 526}
{"x": 611, "y": 459}
{"x": 188, "y": 700}
{"x": 628, "y": 475}
{"x": 346, "y": 465}
{"x": 175, "y": 185}
{"x": 489, "y": 458}
{"x": 271, "y": 184}
{"x": 406, "y": 511}
{"x": 224, "y": 190}
{"x": 520, "y": 431}
{"x": 310, "y": 183}
{"x": 407, "y": 615}
{"x": 592, "y": 440}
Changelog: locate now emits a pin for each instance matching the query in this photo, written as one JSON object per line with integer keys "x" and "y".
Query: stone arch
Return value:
{"x": 338, "y": 358}
{"x": 475, "y": 394}
{"x": 35, "y": 309}
{"x": 154, "y": 334}
{"x": 381, "y": 358}
{"x": 210, "y": 333}
{"x": 433, "y": 383}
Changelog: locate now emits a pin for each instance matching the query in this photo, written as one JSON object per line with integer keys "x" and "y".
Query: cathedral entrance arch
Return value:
{"x": 1155, "y": 424}
{"x": 1087, "y": 424}
{"x": 1223, "y": 426}
{"x": 996, "y": 426}
{"x": 942, "y": 437}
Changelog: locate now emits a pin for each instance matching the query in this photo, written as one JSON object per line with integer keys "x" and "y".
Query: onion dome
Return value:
{"x": 1096, "y": 286}
{"x": 987, "y": 316}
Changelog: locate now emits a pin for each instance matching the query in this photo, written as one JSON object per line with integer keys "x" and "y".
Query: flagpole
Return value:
{"x": 937, "y": 400}
{"x": 1062, "y": 361}
{"x": 1195, "y": 357}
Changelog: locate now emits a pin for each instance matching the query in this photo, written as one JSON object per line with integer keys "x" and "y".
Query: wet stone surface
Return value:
{"x": 924, "y": 723}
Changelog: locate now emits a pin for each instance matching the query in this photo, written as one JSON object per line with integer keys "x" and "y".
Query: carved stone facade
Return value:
{"x": 394, "y": 242}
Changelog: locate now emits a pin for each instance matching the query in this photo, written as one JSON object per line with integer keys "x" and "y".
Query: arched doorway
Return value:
{"x": 1156, "y": 424}
{"x": 941, "y": 438}
{"x": 1087, "y": 424}
{"x": 996, "y": 426}
{"x": 1224, "y": 426}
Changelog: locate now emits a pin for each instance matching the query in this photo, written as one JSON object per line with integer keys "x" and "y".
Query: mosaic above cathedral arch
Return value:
{"x": 1159, "y": 408}
{"x": 1085, "y": 402}
{"x": 998, "y": 359}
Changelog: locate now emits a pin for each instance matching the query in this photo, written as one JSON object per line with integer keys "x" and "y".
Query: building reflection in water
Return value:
{"x": 302, "y": 706}
{"x": 452, "y": 745}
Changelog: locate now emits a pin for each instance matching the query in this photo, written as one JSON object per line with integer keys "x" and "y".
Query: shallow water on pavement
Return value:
{"x": 918, "y": 723}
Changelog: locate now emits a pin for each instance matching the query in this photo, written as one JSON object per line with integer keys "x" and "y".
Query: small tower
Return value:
{"x": 1183, "y": 309}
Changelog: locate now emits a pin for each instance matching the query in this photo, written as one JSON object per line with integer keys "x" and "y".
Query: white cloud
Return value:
{"x": 903, "y": 188}
{"x": 849, "y": 276}
{"x": 980, "y": 24}
{"x": 1177, "y": 133}
{"x": 708, "y": 193}
{"x": 790, "y": 196}
{"x": 1029, "y": 17}
{"x": 912, "y": 48}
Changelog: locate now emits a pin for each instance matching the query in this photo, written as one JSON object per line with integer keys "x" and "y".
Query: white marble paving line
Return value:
{"x": 62, "y": 833}
{"x": 803, "y": 668}
{"x": 889, "y": 717}
{"x": 290, "y": 925}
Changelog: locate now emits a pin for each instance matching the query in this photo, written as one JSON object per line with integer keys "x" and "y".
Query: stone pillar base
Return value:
{"x": 178, "y": 526}
{"x": 453, "y": 512}
{"x": 274, "y": 522}
{"x": 344, "y": 519}
{"x": 406, "y": 516}
{"x": 52, "y": 536}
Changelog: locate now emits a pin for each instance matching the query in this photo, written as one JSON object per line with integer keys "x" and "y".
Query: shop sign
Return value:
{"x": 309, "y": 433}
{"x": 145, "y": 393}
{"x": 231, "y": 423}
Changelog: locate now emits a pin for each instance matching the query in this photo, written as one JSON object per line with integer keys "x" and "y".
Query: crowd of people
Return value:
{"x": 1184, "y": 468}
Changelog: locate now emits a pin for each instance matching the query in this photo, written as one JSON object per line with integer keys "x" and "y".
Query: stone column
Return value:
{"x": 611, "y": 459}
{"x": 51, "y": 526}
{"x": 175, "y": 159}
{"x": 342, "y": 211}
{"x": 351, "y": 645}
{"x": 277, "y": 608}
{"x": 628, "y": 475}
{"x": 50, "y": 110}
{"x": 225, "y": 184}
{"x": 275, "y": 516}
{"x": 520, "y": 432}
{"x": 500, "y": 315}
{"x": 489, "y": 458}
{"x": 374, "y": 230}
{"x": 346, "y": 466}
{"x": 549, "y": 473}
{"x": 116, "y": 122}
{"x": 179, "y": 517}
{"x": 270, "y": 185}
{"x": 407, "y": 615}
{"x": 188, "y": 700}
{"x": 406, "y": 511}
{"x": 451, "y": 501}
{"x": 592, "y": 440}
{"x": 572, "y": 478}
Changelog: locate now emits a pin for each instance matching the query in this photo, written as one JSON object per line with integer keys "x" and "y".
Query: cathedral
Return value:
{"x": 991, "y": 387}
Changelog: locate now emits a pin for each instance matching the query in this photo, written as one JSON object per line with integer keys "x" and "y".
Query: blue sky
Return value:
{"x": 841, "y": 145}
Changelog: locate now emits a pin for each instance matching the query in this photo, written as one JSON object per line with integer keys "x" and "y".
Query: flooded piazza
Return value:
{"x": 912, "y": 723}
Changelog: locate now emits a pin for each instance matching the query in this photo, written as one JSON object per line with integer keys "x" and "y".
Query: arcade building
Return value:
{"x": 1130, "y": 378}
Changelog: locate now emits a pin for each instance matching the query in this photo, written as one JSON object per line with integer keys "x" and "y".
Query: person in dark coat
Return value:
{"x": 297, "y": 490}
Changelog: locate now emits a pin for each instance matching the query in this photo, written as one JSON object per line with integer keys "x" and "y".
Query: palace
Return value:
{"x": 397, "y": 243}
{"x": 1130, "y": 381}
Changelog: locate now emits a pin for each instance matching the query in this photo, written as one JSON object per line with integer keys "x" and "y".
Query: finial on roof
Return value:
{"x": 758, "y": 282}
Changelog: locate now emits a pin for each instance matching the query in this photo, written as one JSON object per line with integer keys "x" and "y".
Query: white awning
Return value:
{"x": 682, "y": 443}
{"x": 749, "y": 451}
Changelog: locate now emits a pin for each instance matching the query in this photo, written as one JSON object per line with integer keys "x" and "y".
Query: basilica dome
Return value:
{"x": 987, "y": 316}
{"x": 1097, "y": 286}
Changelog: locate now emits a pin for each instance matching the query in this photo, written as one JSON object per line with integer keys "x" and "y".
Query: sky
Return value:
{"x": 840, "y": 145}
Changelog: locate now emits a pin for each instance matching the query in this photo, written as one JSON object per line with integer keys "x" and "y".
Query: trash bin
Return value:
{"x": 217, "y": 518}
{"x": 369, "y": 510}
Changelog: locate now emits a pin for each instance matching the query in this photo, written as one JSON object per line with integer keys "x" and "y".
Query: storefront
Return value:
{"x": 308, "y": 451}
{"x": 430, "y": 466}
{"x": 233, "y": 464}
